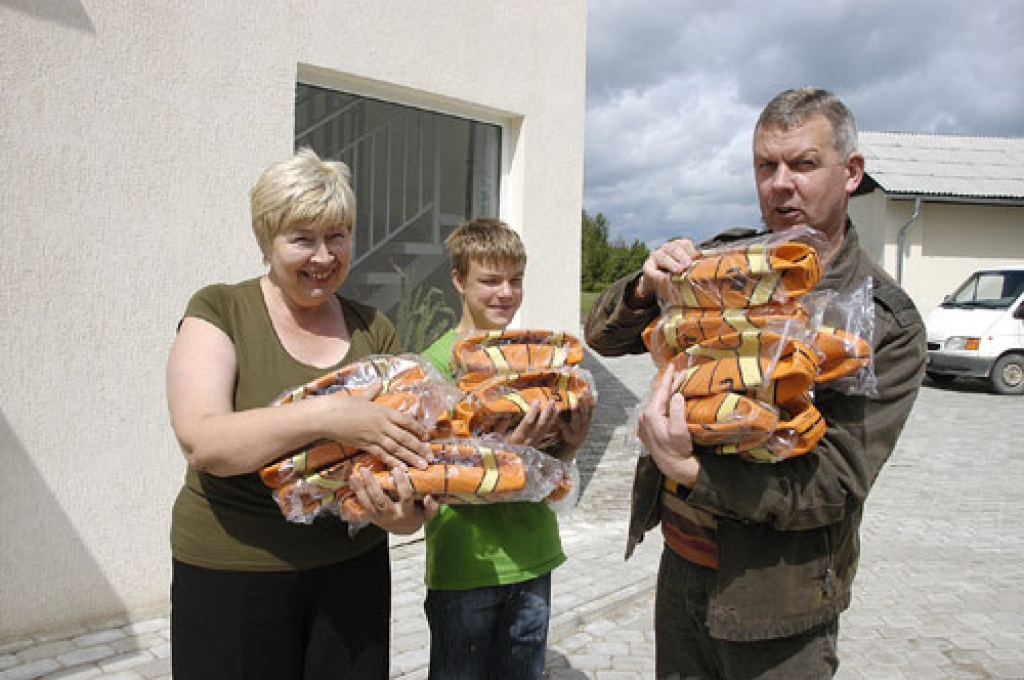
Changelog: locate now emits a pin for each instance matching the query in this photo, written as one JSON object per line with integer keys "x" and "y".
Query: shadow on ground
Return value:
{"x": 965, "y": 385}
{"x": 615, "y": 403}
{"x": 558, "y": 668}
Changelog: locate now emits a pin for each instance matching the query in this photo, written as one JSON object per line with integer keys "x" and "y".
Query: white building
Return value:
{"x": 131, "y": 133}
{"x": 934, "y": 208}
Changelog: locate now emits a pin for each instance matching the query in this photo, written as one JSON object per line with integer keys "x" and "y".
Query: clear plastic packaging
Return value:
{"x": 799, "y": 429}
{"x": 730, "y": 422}
{"x": 308, "y": 496}
{"x": 408, "y": 384}
{"x": 770, "y": 268}
{"x": 514, "y": 351}
{"x": 502, "y": 373}
{"x": 483, "y": 469}
{"x": 751, "y": 341}
{"x": 844, "y": 325}
{"x": 760, "y": 364}
{"x": 475, "y": 471}
{"x": 678, "y": 328}
{"x": 499, "y": 401}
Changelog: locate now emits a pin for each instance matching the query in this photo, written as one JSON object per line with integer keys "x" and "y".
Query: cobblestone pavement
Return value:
{"x": 940, "y": 593}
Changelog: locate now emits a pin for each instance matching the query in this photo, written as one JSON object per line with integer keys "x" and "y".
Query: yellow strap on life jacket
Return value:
{"x": 491, "y": 474}
{"x": 497, "y": 358}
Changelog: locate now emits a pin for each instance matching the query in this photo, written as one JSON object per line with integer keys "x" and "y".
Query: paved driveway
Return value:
{"x": 940, "y": 592}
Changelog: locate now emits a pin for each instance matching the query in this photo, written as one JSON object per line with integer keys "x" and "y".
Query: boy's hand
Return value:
{"x": 575, "y": 428}
{"x": 536, "y": 428}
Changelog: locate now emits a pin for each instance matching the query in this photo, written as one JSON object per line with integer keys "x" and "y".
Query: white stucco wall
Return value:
{"x": 868, "y": 214}
{"x": 131, "y": 134}
{"x": 954, "y": 240}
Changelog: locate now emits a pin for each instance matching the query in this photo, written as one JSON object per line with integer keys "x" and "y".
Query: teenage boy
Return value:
{"x": 489, "y": 567}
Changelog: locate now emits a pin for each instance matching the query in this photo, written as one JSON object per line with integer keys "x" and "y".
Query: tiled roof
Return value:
{"x": 948, "y": 166}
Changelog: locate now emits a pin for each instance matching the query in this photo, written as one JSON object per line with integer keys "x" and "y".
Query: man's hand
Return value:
{"x": 662, "y": 429}
{"x": 662, "y": 264}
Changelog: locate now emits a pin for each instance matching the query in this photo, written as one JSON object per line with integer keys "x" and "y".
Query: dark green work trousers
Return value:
{"x": 685, "y": 650}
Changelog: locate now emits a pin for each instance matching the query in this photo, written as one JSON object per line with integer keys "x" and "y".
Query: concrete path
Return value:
{"x": 940, "y": 593}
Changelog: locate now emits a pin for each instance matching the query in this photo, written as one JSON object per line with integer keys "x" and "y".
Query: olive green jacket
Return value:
{"x": 788, "y": 533}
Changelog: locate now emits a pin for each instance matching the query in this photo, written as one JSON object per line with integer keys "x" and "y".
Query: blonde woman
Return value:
{"x": 254, "y": 596}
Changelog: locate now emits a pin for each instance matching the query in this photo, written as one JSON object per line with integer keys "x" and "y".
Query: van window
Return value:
{"x": 991, "y": 290}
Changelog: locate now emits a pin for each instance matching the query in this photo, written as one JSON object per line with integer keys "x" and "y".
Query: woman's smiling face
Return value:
{"x": 310, "y": 262}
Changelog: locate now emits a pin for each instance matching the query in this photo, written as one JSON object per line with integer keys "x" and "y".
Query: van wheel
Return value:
{"x": 1008, "y": 374}
{"x": 940, "y": 378}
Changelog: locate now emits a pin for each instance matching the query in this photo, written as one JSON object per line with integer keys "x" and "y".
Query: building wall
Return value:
{"x": 868, "y": 213}
{"x": 956, "y": 240}
{"x": 944, "y": 244}
{"x": 131, "y": 135}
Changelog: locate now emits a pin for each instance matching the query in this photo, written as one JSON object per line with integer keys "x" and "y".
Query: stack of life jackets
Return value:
{"x": 314, "y": 479}
{"x": 465, "y": 463}
{"x": 749, "y": 348}
{"x": 501, "y": 373}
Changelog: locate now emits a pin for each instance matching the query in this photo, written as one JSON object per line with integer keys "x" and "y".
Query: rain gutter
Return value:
{"x": 901, "y": 239}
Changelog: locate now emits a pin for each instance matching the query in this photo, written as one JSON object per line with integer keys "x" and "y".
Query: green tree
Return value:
{"x": 595, "y": 250}
{"x": 605, "y": 261}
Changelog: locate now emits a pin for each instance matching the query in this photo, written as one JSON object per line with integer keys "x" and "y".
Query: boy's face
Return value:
{"x": 492, "y": 292}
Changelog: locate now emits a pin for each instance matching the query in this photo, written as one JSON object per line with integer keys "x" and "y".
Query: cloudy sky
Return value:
{"x": 674, "y": 88}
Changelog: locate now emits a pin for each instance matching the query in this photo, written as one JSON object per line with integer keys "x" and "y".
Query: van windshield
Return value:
{"x": 989, "y": 290}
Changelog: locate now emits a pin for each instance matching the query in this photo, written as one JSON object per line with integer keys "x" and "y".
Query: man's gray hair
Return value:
{"x": 791, "y": 108}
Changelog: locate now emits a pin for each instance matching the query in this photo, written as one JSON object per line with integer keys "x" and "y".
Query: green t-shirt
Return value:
{"x": 471, "y": 546}
{"x": 233, "y": 522}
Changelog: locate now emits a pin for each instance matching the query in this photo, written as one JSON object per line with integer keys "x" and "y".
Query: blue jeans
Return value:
{"x": 497, "y": 632}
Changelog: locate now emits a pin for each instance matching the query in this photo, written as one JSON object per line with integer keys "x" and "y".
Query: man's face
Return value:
{"x": 802, "y": 180}
{"x": 491, "y": 292}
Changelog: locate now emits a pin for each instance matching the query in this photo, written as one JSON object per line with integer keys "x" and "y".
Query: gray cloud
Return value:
{"x": 674, "y": 88}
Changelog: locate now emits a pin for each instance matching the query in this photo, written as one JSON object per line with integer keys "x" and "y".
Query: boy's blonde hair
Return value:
{"x": 301, "y": 190}
{"x": 484, "y": 239}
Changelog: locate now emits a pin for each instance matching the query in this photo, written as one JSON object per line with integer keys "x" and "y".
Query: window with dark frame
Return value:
{"x": 417, "y": 174}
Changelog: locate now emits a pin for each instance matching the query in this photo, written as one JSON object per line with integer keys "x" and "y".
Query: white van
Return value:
{"x": 978, "y": 331}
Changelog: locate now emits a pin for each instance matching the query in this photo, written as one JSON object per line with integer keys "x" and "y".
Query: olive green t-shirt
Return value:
{"x": 472, "y": 546}
{"x": 233, "y": 522}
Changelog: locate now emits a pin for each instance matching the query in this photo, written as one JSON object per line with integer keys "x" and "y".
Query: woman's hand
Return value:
{"x": 664, "y": 433}
{"x": 402, "y": 516}
{"x": 218, "y": 440}
{"x": 394, "y": 437}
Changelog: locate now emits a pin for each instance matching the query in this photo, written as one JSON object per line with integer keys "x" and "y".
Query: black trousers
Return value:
{"x": 686, "y": 651}
{"x": 314, "y": 624}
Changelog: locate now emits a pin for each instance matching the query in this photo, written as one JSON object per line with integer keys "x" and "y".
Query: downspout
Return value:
{"x": 901, "y": 238}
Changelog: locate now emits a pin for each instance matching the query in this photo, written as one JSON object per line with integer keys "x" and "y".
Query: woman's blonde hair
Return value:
{"x": 302, "y": 190}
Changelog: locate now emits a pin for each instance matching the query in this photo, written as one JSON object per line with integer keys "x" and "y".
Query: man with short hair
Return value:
{"x": 783, "y": 538}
